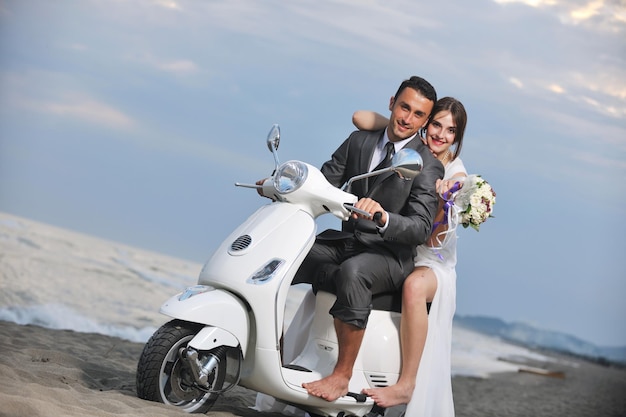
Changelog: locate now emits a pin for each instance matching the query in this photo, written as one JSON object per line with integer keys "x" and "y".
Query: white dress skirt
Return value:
{"x": 432, "y": 396}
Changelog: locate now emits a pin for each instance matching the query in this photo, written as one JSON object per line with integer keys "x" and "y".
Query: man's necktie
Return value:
{"x": 390, "y": 150}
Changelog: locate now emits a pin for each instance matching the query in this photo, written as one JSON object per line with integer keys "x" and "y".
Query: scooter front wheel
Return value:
{"x": 162, "y": 375}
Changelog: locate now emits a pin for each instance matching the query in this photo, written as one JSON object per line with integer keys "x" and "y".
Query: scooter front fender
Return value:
{"x": 213, "y": 307}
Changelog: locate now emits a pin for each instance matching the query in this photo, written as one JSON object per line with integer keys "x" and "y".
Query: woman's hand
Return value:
{"x": 444, "y": 186}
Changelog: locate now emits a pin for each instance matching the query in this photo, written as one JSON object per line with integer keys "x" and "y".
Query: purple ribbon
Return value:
{"x": 449, "y": 202}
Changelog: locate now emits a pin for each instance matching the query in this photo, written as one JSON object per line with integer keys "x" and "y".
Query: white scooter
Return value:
{"x": 228, "y": 329}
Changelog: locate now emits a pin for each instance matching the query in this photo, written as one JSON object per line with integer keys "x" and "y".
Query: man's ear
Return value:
{"x": 391, "y": 101}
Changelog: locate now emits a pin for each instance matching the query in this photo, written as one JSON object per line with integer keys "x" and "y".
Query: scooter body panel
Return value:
{"x": 254, "y": 250}
{"x": 213, "y": 307}
{"x": 277, "y": 382}
{"x": 378, "y": 362}
{"x": 212, "y": 337}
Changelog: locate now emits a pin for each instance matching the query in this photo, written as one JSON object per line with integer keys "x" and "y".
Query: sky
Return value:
{"x": 132, "y": 120}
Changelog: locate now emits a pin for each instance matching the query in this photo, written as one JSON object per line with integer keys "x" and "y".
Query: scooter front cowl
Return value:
{"x": 214, "y": 307}
{"x": 258, "y": 262}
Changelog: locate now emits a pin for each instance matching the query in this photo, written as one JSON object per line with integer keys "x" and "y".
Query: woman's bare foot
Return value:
{"x": 389, "y": 396}
{"x": 329, "y": 388}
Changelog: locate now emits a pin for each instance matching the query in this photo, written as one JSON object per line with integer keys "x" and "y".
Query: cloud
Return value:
{"x": 604, "y": 82}
{"x": 597, "y": 15}
{"x": 178, "y": 67}
{"x": 555, "y": 88}
{"x": 92, "y": 111}
{"x": 82, "y": 108}
{"x": 369, "y": 28}
{"x": 602, "y": 163}
{"x": 601, "y": 14}
{"x": 168, "y": 4}
{"x": 586, "y": 11}
{"x": 58, "y": 95}
{"x": 532, "y": 3}
{"x": 603, "y": 93}
{"x": 516, "y": 82}
{"x": 596, "y": 89}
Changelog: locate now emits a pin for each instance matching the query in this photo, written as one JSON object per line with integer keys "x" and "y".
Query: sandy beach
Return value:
{"x": 109, "y": 294}
{"x": 45, "y": 372}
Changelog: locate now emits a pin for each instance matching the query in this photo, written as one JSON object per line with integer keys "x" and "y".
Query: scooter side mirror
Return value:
{"x": 407, "y": 163}
{"x": 273, "y": 140}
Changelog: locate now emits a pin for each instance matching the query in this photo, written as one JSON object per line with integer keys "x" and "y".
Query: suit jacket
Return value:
{"x": 411, "y": 204}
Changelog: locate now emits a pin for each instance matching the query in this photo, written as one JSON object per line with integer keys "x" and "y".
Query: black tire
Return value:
{"x": 161, "y": 376}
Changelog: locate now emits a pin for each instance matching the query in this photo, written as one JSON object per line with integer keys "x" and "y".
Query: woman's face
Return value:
{"x": 440, "y": 133}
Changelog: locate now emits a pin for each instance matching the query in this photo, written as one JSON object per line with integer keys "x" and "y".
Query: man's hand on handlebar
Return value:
{"x": 372, "y": 207}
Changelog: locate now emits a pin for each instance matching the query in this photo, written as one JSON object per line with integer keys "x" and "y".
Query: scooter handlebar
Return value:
{"x": 310, "y": 190}
{"x": 239, "y": 184}
{"x": 376, "y": 217}
{"x": 265, "y": 190}
{"x": 351, "y": 207}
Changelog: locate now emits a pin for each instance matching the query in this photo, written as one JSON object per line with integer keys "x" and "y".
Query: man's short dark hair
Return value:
{"x": 421, "y": 86}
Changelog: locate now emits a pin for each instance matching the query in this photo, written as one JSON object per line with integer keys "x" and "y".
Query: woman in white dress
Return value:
{"x": 426, "y": 337}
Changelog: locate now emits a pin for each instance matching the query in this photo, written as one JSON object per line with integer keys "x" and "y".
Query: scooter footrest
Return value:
{"x": 360, "y": 398}
{"x": 297, "y": 368}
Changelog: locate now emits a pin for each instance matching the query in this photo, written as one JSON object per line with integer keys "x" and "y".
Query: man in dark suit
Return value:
{"x": 369, "y": 257}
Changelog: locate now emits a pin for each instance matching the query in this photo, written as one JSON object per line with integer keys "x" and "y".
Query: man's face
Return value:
{"x": 409, "y": 113}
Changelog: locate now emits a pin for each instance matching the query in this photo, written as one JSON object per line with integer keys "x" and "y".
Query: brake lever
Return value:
{"x": 357, "y": 210}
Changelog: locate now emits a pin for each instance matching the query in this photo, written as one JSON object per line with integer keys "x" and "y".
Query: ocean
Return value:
{"x": 61, "y": 279}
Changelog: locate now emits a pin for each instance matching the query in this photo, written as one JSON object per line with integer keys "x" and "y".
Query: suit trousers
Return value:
{"x": 352, "y": 271}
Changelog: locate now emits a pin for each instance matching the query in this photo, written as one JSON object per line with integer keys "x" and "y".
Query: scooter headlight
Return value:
{"x": 266, "y": 273}
{"x": 290, "y": 176}
{"x": 195, "y": 290}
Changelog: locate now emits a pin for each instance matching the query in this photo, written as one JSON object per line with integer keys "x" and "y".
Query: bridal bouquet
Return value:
{"x": 475, "y": 201}
{"x": 470, "y": 205}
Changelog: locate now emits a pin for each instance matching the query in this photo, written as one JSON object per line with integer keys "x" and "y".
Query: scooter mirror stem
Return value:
{"x": 348, "y": 185}
{"x": 273, "y": 140}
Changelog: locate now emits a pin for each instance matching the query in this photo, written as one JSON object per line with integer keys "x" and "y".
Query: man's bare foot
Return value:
{"x": 329, "y": 388}
{"x": 389, "y": 396}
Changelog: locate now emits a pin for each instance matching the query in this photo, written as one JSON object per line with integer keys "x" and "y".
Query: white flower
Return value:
{"x": 475, "y": 201}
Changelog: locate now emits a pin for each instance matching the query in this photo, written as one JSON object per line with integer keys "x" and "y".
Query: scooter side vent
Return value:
{"x": 379, "y": 380}
{"x": 241, "y": 243}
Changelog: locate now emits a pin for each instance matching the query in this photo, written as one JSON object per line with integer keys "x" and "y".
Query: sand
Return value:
{"x": 62, "y": 280}
{"x": 45, "y": 372}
